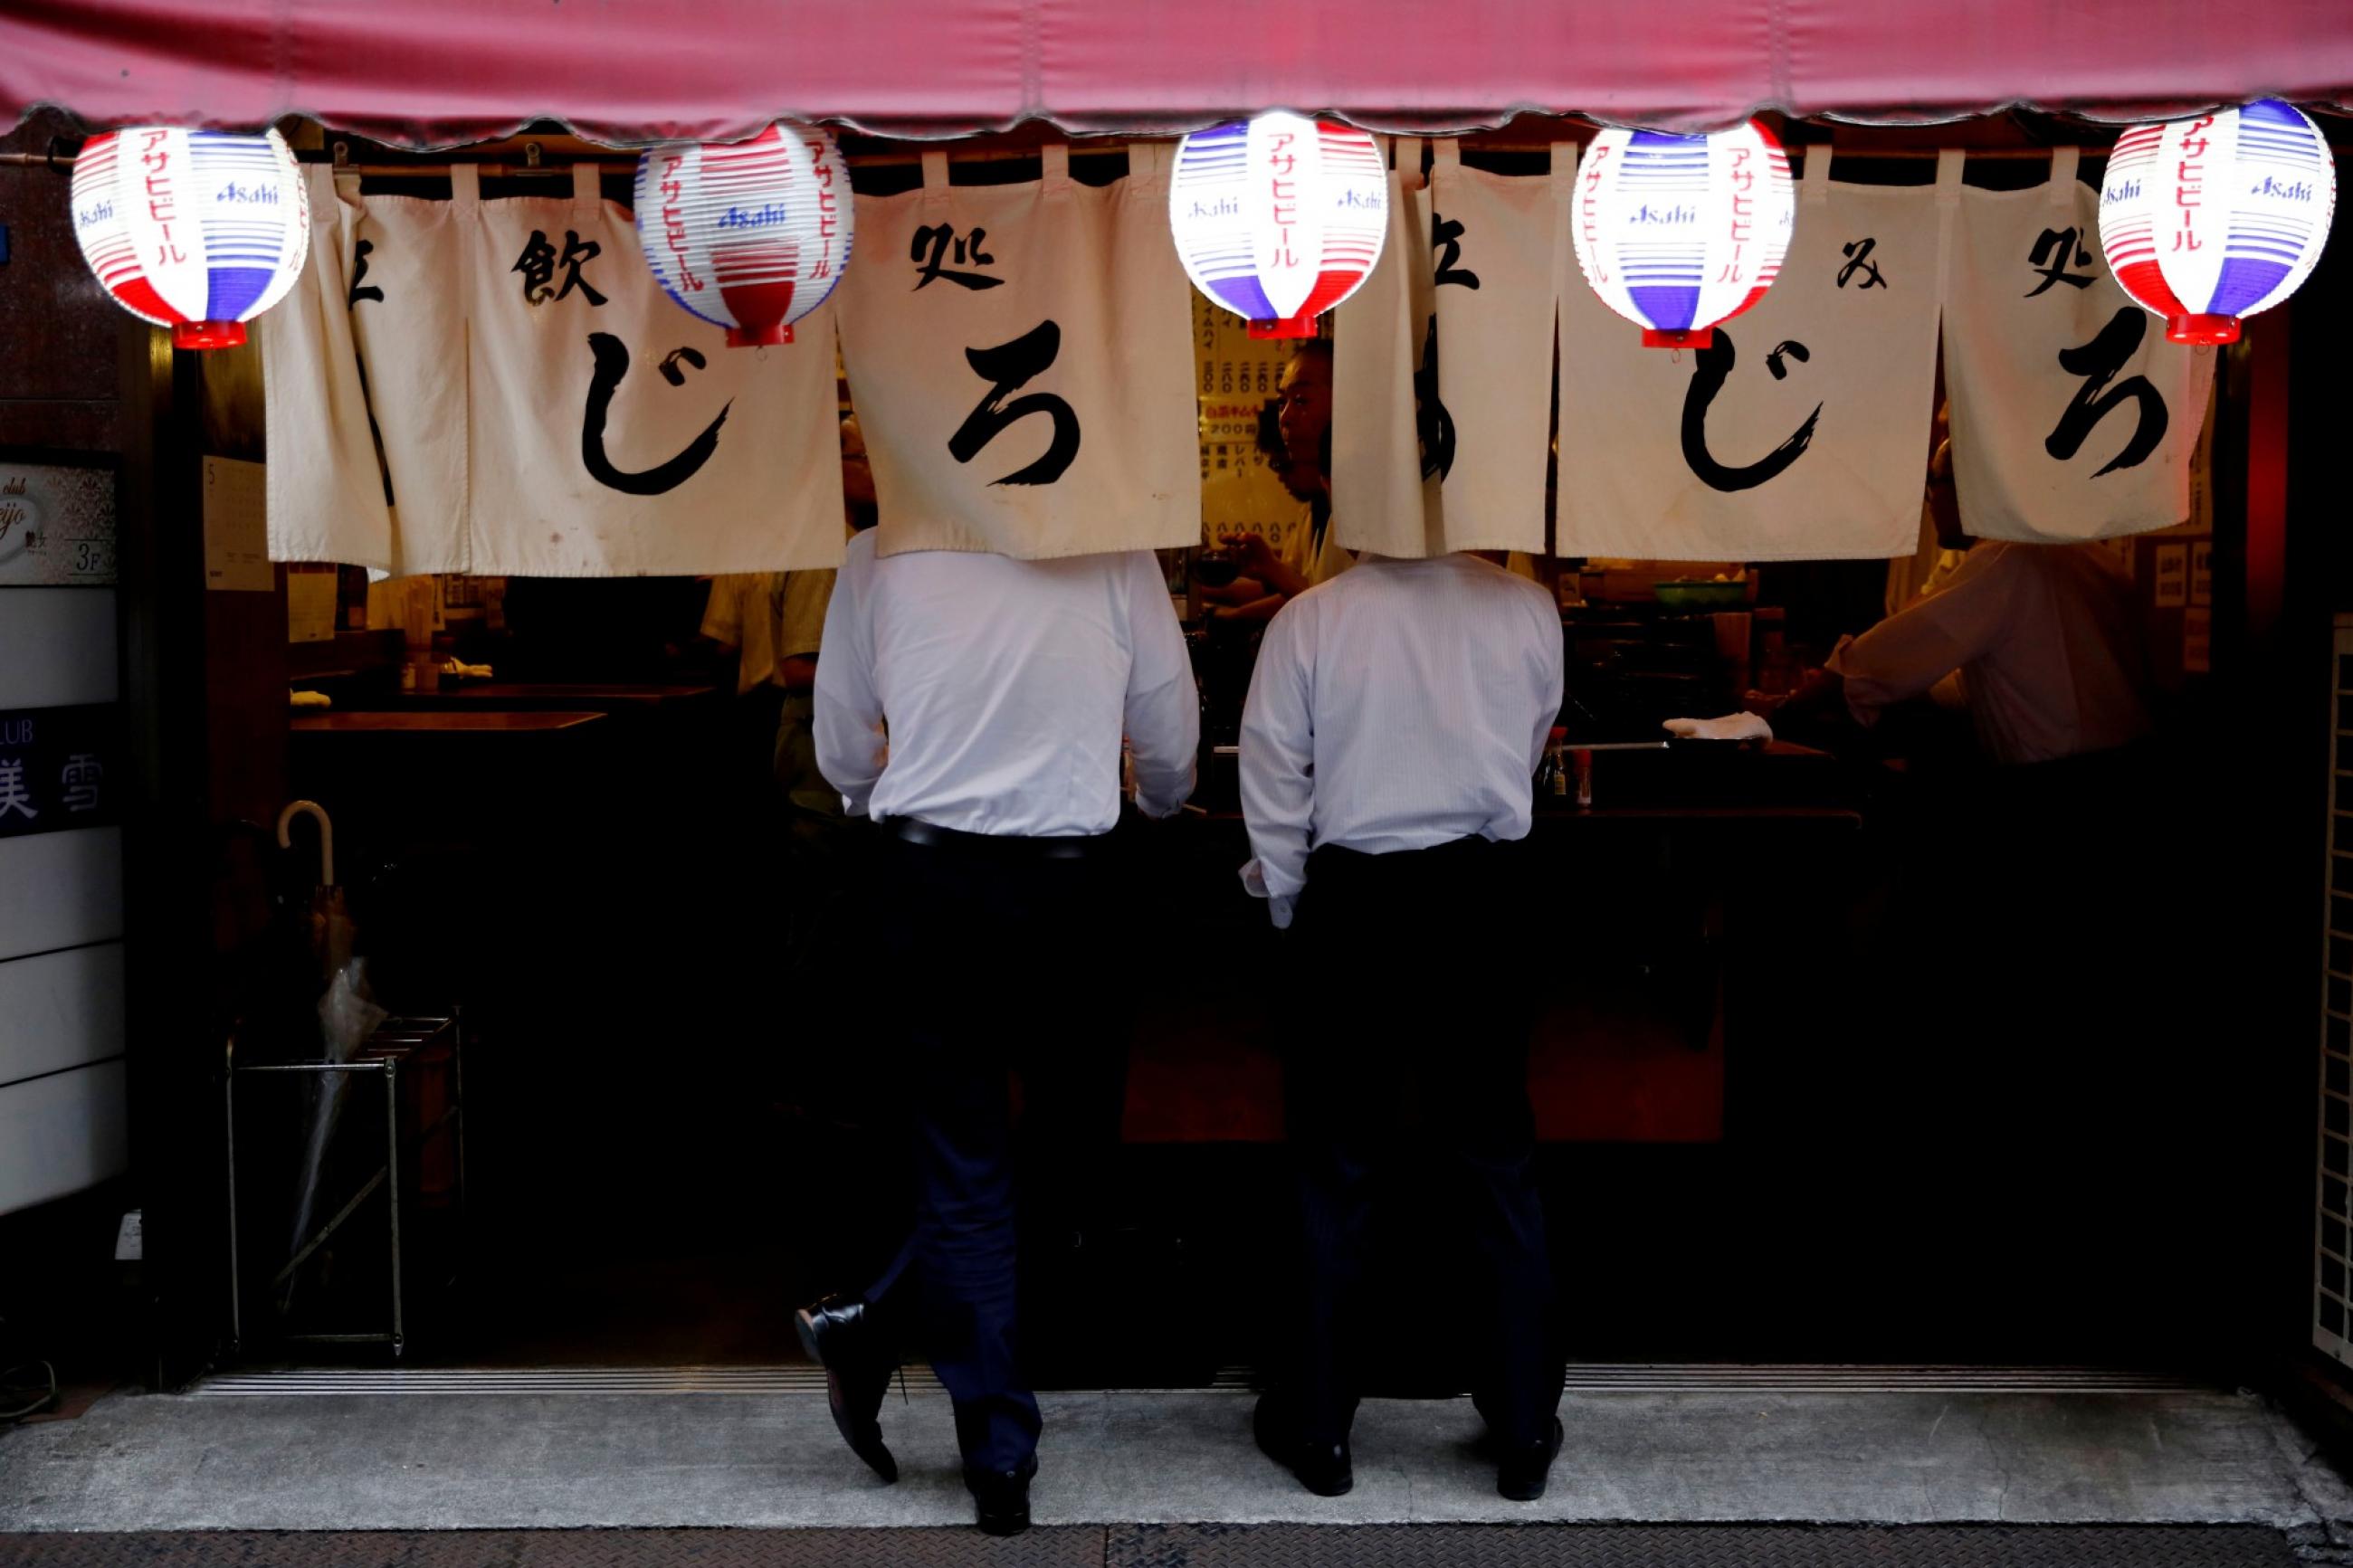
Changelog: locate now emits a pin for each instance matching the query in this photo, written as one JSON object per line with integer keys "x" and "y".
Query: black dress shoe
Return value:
{"x": 1523, "y": 1468}
{"x": 1000, "y": 1498}
{"x": 839, "y": 1335}
{"x": 1323, "y": 1469}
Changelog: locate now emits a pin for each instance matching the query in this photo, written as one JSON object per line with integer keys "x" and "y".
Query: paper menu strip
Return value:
{"x": 237, "y": 535}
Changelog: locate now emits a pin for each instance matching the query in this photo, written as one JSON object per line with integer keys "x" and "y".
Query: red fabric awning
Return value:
{"x": 439, "y": 73}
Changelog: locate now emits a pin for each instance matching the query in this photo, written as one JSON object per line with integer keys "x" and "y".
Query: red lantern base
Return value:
{"x": 1288, "y": 327}
{"x": 208, "y": 335}
{"x": 1678, "y": 338}
{"x": 758, "y": 337}
{"x": 2201, "y": 328}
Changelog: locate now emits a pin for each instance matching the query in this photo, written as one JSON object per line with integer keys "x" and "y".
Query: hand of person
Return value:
{"x": 1256, "y": 555}
{"x": 1819, "y": 699}
{"x": 1240, "y": 591}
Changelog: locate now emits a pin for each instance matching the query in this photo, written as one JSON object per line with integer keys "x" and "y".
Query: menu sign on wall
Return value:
{"x": 56, "y": 526}
{"x": 1237, "y": 375}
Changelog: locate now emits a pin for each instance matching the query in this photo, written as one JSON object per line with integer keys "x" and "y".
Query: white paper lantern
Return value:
{"x": 2207, "y": 220}
{"x": 1279, "y": 217}
{"x": 1678, "y": 232}
{"x": 750, "y": 236}
{"x": 199, "y": 231}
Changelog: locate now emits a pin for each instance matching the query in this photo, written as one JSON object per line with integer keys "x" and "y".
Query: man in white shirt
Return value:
{"x": 2046, "y": 638}
{"x": 1395, "y": 721}
{"x": 973, "y": 706}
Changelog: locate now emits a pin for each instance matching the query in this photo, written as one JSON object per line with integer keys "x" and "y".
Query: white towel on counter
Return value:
{"x": 1730, "y": 727}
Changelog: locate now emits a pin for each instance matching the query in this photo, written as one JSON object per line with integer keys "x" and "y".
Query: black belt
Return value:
{"x": 909, "y": 830}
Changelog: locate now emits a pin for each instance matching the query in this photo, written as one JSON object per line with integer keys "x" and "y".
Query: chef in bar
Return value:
{"x": 972, "y": 705}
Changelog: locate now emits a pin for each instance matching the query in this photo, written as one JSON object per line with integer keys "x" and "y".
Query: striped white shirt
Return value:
{"x": 1003, "y": 687}
{"x": 1403, "y": 705}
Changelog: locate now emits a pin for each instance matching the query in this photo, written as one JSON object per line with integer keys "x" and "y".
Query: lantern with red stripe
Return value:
{"x": 1279, "y": 217}
{"x": 749, "y": 235}
{"x": 199, "y": 231}
{"x": 1678, "y": 232}
{"x": 2210, "y": 219}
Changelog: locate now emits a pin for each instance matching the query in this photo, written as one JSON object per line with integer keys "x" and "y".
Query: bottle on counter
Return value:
{"x": 1552, "y": 772}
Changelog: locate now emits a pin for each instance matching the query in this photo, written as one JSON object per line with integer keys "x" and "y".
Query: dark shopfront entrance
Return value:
{"x": 1785, "y": 1123}
{"x": 1795, "y": 1110}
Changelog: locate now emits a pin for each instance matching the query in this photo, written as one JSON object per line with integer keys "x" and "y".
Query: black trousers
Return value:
{"x": 1433, "y": 1014}
{"x": 998, "y": 959}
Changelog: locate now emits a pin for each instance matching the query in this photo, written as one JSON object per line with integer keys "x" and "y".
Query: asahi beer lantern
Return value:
{"x": 1678, "y": 232}
{"x": 199, "y": 231}
{"x": 750, "y": 236}
{"x": 1279, "y": 217}
{"x": 2207, "y": 220}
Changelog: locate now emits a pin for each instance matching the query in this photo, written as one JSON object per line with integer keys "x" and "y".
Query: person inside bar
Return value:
{"x": 1272, "y": 573}
{"x": 1395, "y": 721}
{"x": 973, "y": 706}
{"x": 2046, "y": 639}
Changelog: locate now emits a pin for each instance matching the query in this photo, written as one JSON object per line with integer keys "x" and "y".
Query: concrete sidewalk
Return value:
{"x": 509, "y": 1460}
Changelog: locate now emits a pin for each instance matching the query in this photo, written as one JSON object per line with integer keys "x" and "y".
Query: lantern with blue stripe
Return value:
{"x": 2207, "y": 220}
{"x": 199, "y": 231}
{"x": 750, "y": 236}
{"x": 1678, "y": 232}
{"x": 1279, "y": 217}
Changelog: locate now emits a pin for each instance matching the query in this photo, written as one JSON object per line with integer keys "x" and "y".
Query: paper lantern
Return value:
{"x": 749, "y": 235}
{"x": 199, "y": 231}
{"x": 2210, "y": 219}
{"x": 1678, "y": 232}
{"x": 1279, "y": 217}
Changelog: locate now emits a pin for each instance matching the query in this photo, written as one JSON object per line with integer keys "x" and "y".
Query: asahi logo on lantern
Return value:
{"x": 759, "y": 218}
{"x": 1279, "y": 217}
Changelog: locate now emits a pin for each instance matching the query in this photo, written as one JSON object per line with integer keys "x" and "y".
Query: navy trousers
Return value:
{"x": 1432, "y": 1023}
{"x": 1000, "y": 962}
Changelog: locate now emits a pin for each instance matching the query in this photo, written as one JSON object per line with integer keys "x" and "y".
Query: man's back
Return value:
{"x": 1396, "y": 707}
{"x": 1005, "y": 686}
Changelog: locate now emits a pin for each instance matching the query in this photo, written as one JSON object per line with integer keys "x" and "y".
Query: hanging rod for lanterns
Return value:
{"x": 558, "y": 164}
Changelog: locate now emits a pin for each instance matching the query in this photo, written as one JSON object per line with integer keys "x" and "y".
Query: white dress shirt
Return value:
{"x": 1004, "y": 685}
{"x": 2048, "y": 642}
{"x": 1401, "y": 705}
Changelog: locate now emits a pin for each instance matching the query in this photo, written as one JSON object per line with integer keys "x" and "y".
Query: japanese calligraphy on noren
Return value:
{"x": 1446, "y": 238}
{"x": 1858, "y": 255}
{"x": 538, "y": 265}
{"x": 361, "y": 288}
{"x": 1431, "y": 421}
{"x": 1009, "y": 367}
{"x": 936, "y": 243}
{"x": 1712, "y": 369}
{"x": 2050, "y": 258}
{"x": 2097, "y": 362}
{"x": 612, "y": 360}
